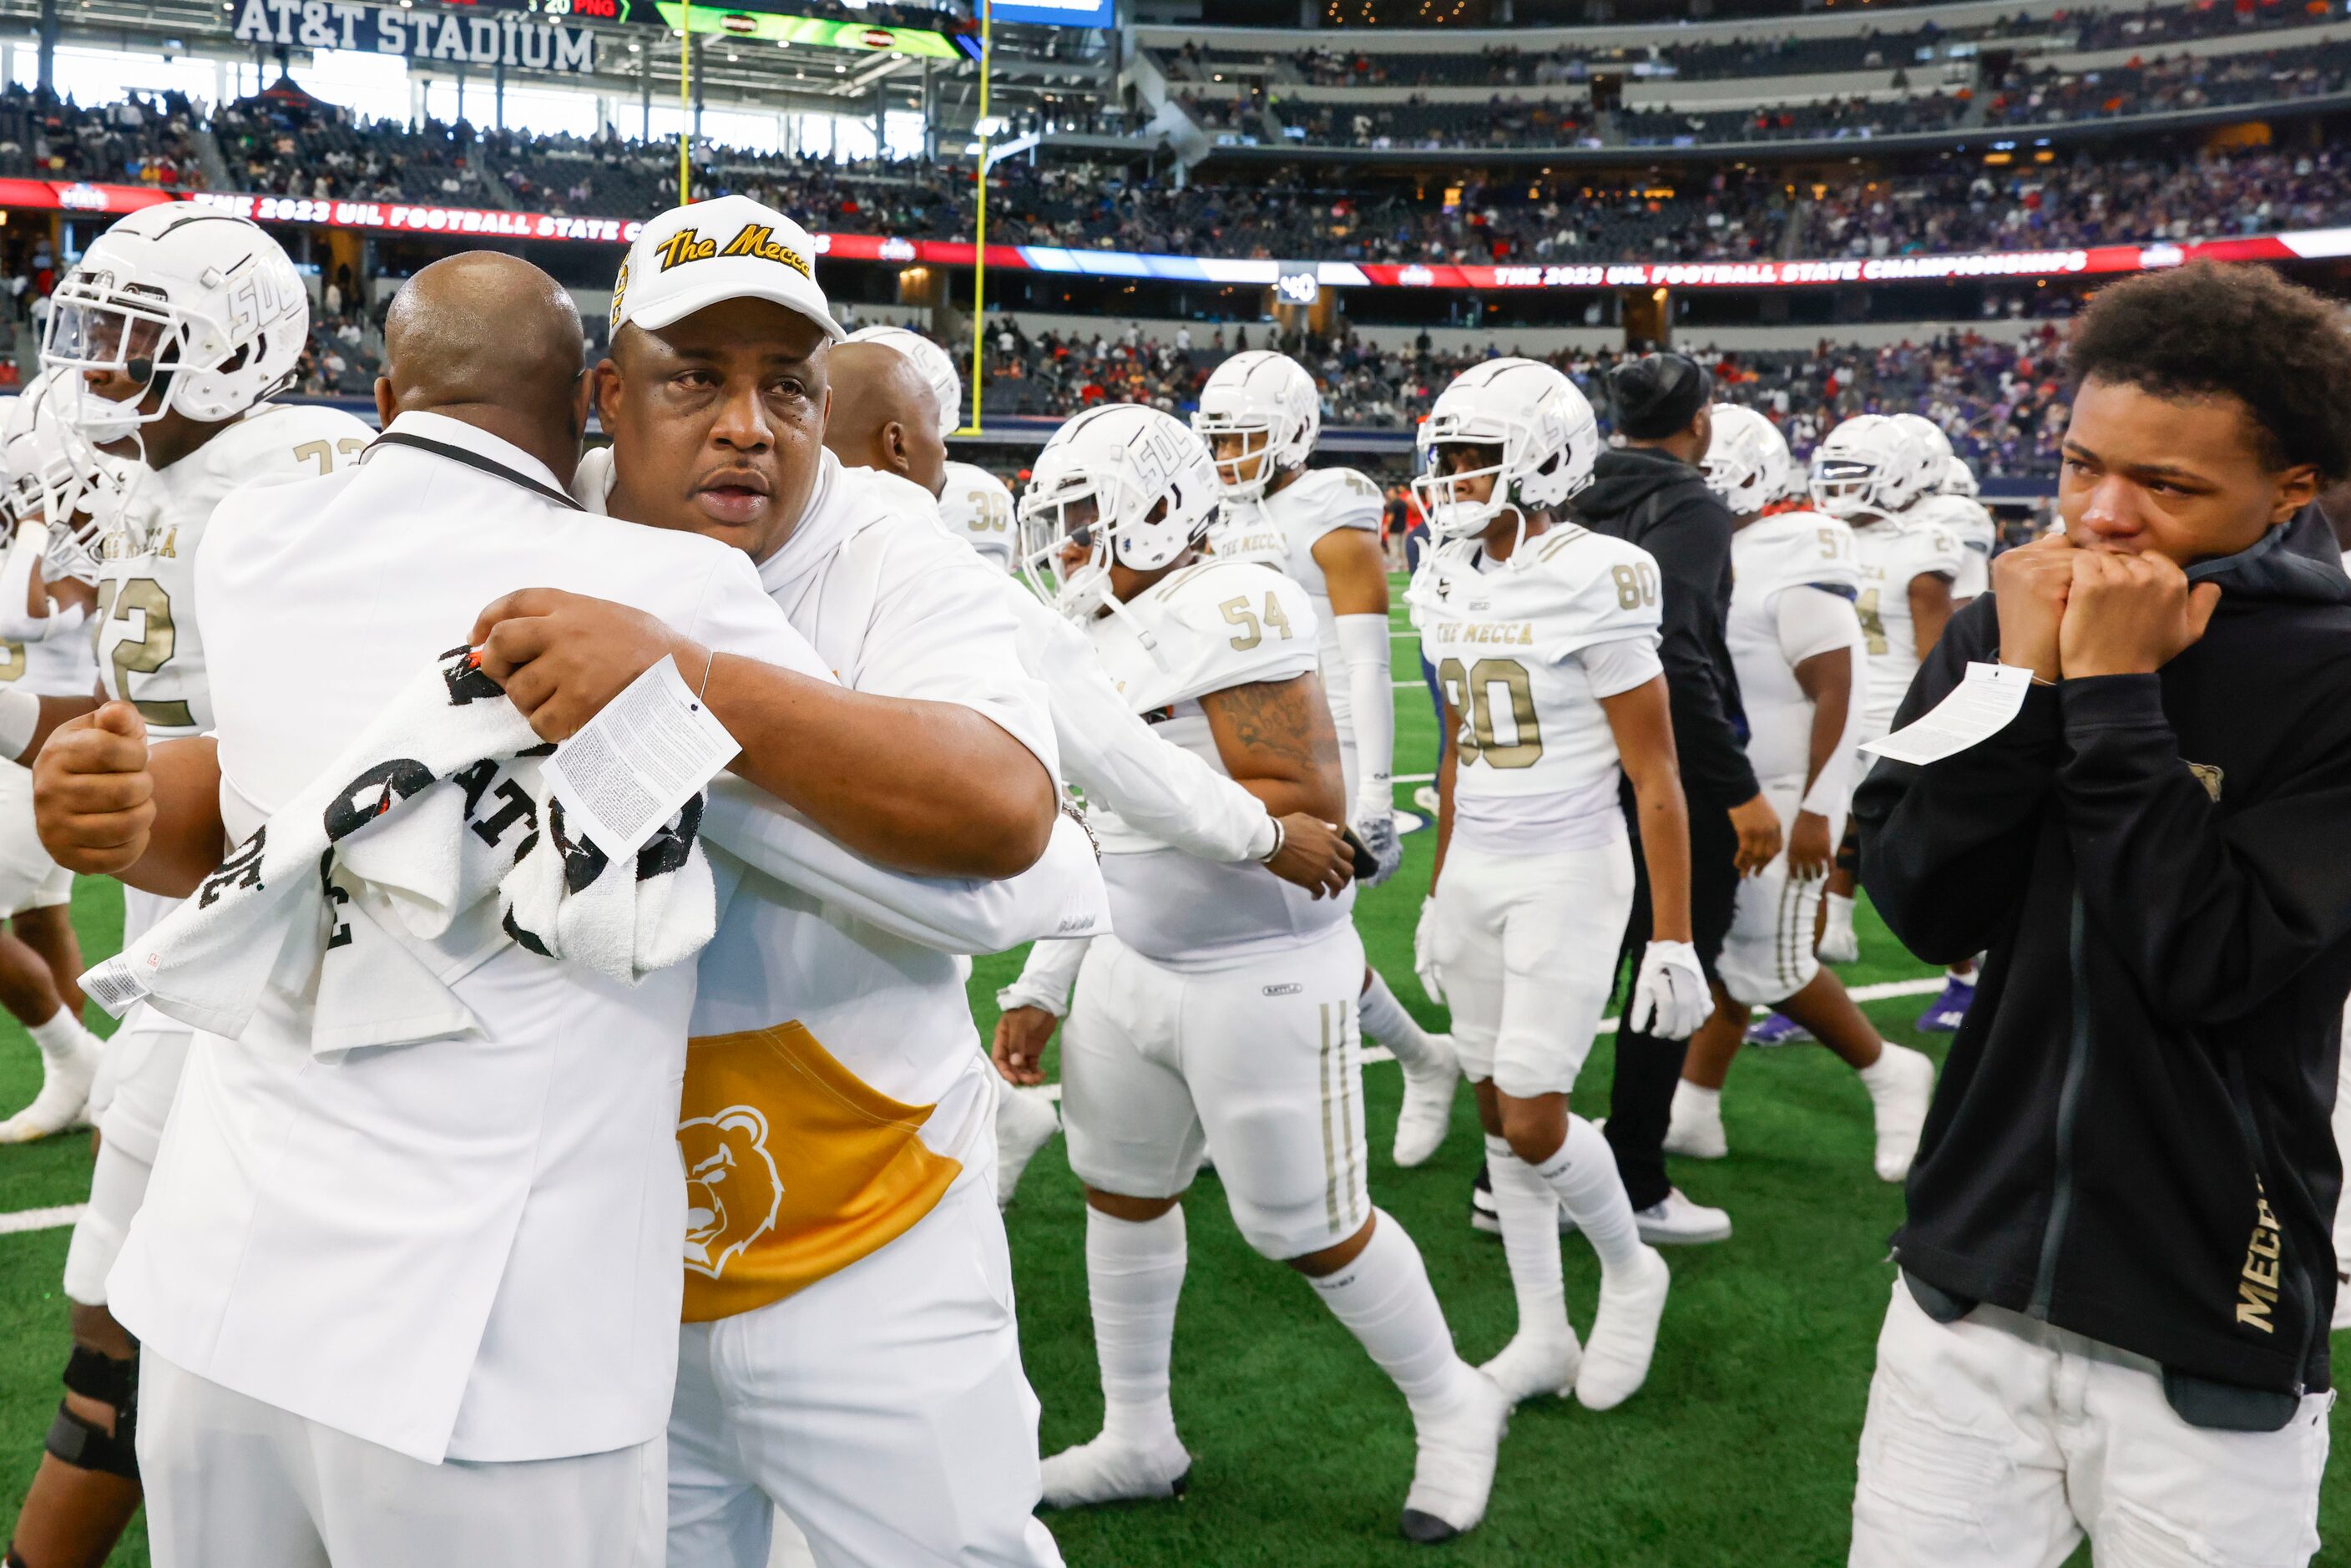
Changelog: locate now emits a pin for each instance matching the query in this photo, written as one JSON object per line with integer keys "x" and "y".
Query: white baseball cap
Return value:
{"x": 729, "y": 248}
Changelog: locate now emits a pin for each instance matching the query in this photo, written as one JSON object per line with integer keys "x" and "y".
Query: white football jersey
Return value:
{"x": 977, "y": 509}
{"x": 148, "y": 651}
{"x": 1210, "y": 627}
{"x": 1282, "y": 531}
{"x": 1799, "y": 552}
{"x": 1894, "y": 553}
{"x": 1965, "y": 519}
{"x": 1538, "y": 765}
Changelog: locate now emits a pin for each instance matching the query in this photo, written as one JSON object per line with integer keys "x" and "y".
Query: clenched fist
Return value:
{"x": 562, "y": 657}
{"x": 93, "y": 797}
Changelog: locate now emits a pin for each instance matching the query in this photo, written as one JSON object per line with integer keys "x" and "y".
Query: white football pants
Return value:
{"x": 140, "y": 1076}
{"x": 1767, "y": 954}
{"x": 230, "y": 1479}
{"x": 2000, "y": 1442}
{"x": 883, "y": 1408}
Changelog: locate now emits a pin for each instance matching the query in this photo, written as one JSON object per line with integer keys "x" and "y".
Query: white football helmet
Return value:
{"x": 1746, "y": 465}
{"x": 1266, "y": 395}
{"x": 976, "y": 508}
{"x": 1122, "y": 482}
{"x": 1535, "y": 414}
{"x": 56, "y": 476}
{"x": 1868, "y": 463}
{"x": 1934, "y": 449}
{"x": 929, "y": 358}
{"x": 1959, "y": 479}
{"x": 205, "y": 302}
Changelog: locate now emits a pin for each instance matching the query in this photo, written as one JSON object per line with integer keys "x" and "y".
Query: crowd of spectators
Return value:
{"x": 1785, "y": 55}
{"x": 141, "y": 139}
{"x": 1999, "y": 401}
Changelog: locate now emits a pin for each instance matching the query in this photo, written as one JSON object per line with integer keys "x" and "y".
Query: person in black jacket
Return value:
{"x": 2116, "y": 1271}
{"x": 1650, "y": 492}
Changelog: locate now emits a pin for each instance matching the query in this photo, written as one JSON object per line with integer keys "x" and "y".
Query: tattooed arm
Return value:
{"x": 1276, "y": 739}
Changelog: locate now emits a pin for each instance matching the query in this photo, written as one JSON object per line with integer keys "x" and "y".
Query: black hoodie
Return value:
{"x": 2130, "y": 1138}
{"x": 1655, "y": 500}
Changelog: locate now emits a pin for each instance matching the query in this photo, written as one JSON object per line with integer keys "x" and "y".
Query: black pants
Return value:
{"x": 1641, "y": 1101}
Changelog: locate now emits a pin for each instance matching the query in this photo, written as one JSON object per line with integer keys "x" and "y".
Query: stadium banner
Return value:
{"x": 500, "y": 39}
{"x": 1293, "y": 277}
{"x": 764, "y": 27}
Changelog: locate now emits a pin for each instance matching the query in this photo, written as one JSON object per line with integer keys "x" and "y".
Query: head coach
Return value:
{"x": 2116, "y": 1267}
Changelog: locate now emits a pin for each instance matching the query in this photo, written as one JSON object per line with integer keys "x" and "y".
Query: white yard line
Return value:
{"x": 41, "y": 1219}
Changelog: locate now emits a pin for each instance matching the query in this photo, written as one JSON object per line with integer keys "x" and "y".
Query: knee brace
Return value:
{"x": 83, "y": 1443}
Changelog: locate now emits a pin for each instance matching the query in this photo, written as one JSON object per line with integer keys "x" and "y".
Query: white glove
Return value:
{"x": 1423, "y": 951}
{"x": 1670, "y": 998}
{"x": 1378, "y": 833}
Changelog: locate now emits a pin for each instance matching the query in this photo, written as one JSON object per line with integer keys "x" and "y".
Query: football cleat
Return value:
{"x": 1900, "y": 1096}
{"x": 1024, "y": 1122}
{"x": 1110, "y": 1469}
{"x": 1427, "y": 1112}
{"x": 1675, "y": 1220}
{"x": 1625, "y": 1331}
{"x": 1694, "y": 1130}
{"x": 1947, "y": 1012}
{"x": 1777, "y": 1028}
{"x": 1425, "y": 802}
{"x": 1453, "y": 1469}
{"x": 1533, "y": 1364}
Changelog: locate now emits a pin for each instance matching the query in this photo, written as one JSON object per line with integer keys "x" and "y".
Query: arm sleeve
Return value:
{"x": 1046, "y": 979}
{"x": 1062, "y": 894}
{"x": 1363, "y": 642}
{"x": 1163, "y": 789}
{"x": 1692, "y": 547}
{"x": 1946, "y": 849}
{"x": 2212, "y": 914}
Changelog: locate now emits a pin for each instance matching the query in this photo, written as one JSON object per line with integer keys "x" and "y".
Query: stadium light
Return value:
{"x": 980, "y": 236}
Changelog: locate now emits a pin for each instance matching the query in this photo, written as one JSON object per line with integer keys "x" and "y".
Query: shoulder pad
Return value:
{"x": 286, "y": 441}
{"x": 1792, "y": 549}
{"x": 1579, "y": 587}
{"x": 1225, "y": 624}
{"x": 1325, "y": 498}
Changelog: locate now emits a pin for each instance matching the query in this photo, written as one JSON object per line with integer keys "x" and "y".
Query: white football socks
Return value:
{"x": 1135, "y": 1272}
{"x": 1387, "y": 1303}
{"x": 1840, "y": 913}
{"x": 1529, "y": 1210}
{"x": 61, "y": 1036}
{"x": 1385, "y": 1021}
{"x": 1584, "y": 1174}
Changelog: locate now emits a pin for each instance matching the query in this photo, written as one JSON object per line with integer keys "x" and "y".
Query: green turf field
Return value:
{"x": 1740, "y": 1451}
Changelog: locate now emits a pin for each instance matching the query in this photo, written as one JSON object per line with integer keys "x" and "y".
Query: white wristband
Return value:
{"x": 20, "y": 715}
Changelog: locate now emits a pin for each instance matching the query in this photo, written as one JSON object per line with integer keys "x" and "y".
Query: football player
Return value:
{"x": 1867, "y": 472}
{"x": 46, "y": 592}
{"x": 1950, "y": 503}
{"x": 174, "y": 332}
{"x": 1261, "y": 413}
{"x": 1798, "y": 647}
{"x": 1223, "y": 1010}
{"x": 1546, "y": 638}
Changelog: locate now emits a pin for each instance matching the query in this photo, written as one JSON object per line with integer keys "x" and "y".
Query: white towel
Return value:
{"x": 430, "y": 845}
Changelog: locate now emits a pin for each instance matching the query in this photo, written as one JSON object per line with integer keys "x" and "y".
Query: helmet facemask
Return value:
{"x": 1248, "y": 471}
{"x": 1845, "y": 487}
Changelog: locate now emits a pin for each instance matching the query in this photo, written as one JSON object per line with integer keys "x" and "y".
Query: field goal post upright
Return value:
{"x": 686, "y": 104}
{"x": 979, "y": 235}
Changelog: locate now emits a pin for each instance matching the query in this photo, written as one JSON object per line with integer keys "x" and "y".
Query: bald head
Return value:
{"x": 884, "y": 415}
{"x": 490, "y": 340}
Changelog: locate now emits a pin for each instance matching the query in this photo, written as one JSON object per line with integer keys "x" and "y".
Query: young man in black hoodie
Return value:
{"x": 2116, "y": 1271}
{"x": 1650, "y": 491}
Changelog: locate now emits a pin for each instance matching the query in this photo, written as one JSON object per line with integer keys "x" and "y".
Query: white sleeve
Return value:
{"x": 1046, "y": 979}
{"x": 1159, "y": 788}
{"x": 1812, "y": 621}
{"x": 1616, "y": 667}
{"x": 1363, "y": 642}
{"x": 1973, "y": 579}
{"x": 1062, "y": 894}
